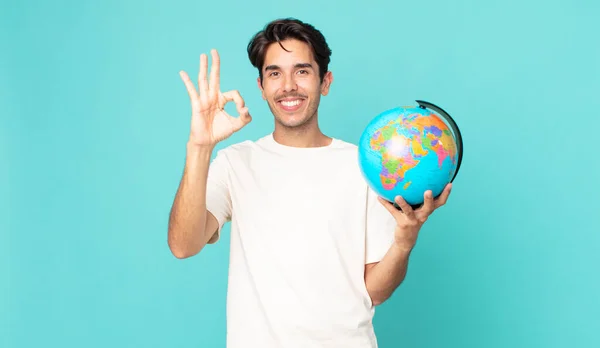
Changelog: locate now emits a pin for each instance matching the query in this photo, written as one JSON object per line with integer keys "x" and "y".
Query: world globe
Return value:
{"x": 406, "y": 151}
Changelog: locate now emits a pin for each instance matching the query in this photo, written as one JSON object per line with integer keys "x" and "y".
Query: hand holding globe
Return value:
{"x": 409, "y": 220}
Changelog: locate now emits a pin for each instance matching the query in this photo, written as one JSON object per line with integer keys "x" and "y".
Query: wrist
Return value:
{"x": 402, "y": 247}
{"x": 195, "y": 149}
{"x": 195, "y": 152}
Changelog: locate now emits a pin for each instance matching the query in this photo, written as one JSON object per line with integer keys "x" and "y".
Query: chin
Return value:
{"x": 291, "y": 118}
{"x": 293, "y": 121}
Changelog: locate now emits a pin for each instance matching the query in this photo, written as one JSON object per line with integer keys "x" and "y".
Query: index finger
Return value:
{"x": 236, "y": 97}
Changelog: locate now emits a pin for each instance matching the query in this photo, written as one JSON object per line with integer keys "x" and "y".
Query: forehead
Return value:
{"x": 295, "y": 52}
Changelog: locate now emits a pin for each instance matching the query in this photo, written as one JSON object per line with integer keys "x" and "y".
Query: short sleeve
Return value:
{"x": 380, "y": 229}
{"x": 218, "y": 197}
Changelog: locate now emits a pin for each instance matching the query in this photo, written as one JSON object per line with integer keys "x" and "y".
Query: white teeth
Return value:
{"x": 291, "y": 103}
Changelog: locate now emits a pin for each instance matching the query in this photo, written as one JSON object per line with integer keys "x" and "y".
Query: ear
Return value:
{"x": 326, "y": 84}
{"x": 258, "y": 82}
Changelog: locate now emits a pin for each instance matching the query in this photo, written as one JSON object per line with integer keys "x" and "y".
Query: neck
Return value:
{"x": 308, "y": 135}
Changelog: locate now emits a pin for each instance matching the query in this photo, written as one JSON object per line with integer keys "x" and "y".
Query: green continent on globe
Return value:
{"x": 405, "y": 140}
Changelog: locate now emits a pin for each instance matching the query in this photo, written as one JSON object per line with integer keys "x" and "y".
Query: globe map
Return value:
{"x": 406, "y": 151}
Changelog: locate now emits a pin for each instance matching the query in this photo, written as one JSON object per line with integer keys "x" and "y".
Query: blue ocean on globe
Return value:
{"x": 406, "y": 151}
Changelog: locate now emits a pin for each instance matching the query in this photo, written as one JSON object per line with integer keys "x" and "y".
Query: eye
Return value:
{"x": 273, "y": 73}
{"x": 303, "y": 71}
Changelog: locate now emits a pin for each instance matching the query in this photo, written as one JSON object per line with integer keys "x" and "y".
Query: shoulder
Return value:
{"x": 345, "y": 151}
{"x": 346, "y": 146}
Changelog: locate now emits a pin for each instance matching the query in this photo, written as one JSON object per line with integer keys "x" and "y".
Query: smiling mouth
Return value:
{"x": 291, "y": 104}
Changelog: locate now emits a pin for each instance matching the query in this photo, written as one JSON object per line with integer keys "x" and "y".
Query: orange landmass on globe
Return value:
{"x": 402, "y": 142}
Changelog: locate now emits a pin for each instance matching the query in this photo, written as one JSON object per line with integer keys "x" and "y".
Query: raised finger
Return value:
{"x": 215, "y": 71}
{"x": 189, "y": 85}
{"x": 406, "y": 208}
{"x": 443, "y": 198}
{"x": 389, "y": 206}
{"x": 428, "y": 203}
{"x": 202, "y": 83}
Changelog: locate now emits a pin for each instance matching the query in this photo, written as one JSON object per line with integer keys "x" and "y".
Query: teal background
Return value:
{"x": 92, "y": 143}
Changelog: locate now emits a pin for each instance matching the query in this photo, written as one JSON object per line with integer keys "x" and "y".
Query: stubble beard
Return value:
{"x": 298, "y": 123}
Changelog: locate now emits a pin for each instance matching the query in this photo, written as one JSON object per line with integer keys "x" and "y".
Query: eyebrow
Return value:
{"x": 298, "y": 65}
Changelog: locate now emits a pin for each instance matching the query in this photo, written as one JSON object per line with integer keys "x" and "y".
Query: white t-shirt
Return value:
{"x": 303, "y": 225}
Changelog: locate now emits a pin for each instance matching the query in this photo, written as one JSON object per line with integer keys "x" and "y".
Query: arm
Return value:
{"x": 383, "y": 278}
{"x": 191, "y": 226}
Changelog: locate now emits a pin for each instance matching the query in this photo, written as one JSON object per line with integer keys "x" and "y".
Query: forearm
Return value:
{"x": 383, "y": 278}
{"x": 187, "y": 233}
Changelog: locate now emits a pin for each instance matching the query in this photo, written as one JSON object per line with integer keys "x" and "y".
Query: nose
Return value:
{"x": 289, "y": 84}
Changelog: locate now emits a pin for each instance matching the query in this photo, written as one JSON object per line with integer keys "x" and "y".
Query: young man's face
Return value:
{"x": 291, "y": 83}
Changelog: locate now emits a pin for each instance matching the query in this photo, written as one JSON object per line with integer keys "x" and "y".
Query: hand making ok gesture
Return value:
{"x": 210, "y": 123}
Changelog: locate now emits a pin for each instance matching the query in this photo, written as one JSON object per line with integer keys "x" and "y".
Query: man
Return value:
{"x": 313, "y": 249}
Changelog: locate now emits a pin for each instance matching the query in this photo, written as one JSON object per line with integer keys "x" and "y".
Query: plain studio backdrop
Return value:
{"x": 94, "y": 121}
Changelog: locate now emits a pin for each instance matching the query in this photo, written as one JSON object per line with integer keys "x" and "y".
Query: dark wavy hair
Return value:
{"x": 289, "y": 28}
